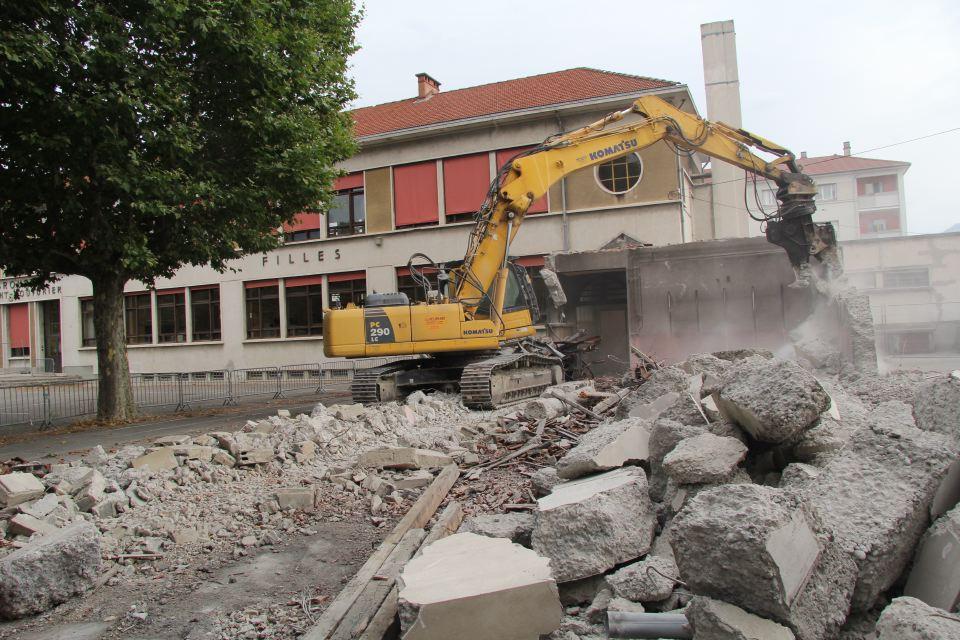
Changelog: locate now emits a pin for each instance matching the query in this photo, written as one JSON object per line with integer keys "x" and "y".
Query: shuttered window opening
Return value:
{"x": 205, "y": 313}
{"x": 346, "y": 288}
{"x": 263, "y": 310}
{"x": 88, "y": 336}
{"x": 171, "y": 317}
{"x": 506, "y": 155}
{"x": 415, "y": 201}
{"x": 348, "y": 214}
{"x": 304, "y": 308}
{"x": 18, "y": 317}
{"x": 139, "y": 318}
{"x": 466, "y": 180}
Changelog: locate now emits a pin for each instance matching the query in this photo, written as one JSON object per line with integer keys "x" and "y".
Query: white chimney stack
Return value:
{"x": 846, "y": 148}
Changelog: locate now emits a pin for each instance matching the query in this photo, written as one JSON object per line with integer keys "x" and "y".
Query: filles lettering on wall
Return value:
{"x": 298, "y": 257}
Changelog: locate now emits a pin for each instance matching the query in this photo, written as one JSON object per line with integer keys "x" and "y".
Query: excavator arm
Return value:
{"x": 647, "y": 121}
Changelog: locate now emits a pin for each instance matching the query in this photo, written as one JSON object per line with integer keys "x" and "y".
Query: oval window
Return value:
{"x": 620, "y": 175}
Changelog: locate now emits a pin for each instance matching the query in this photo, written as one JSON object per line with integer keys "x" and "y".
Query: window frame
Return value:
{"x": 179, "y": 306}
{"x": 91, "y": 339}
{"x": 302, "y": 235}
{"x": 889, "y": 279}
{"x": 212, "y": 311}
{"x": 833, "y": 188}
{"x": 313, "y": 326}
{"x": 415, "y": 293}
{"x": 261, "y": 333}
{"x": 355, "y": 227}
{"x": 334, "y": 285}
{"x": 599, "y": 181}
{"x": 137, "y": 311}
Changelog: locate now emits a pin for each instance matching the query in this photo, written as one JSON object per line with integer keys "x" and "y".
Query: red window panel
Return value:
{"x": 19, "y": 317}
{"x": 529, "y": 261}
{"x": 303, "y": 222}
{"x": 255, "y": 284}
{"x": 504, "y": 156}
{"x": 302, "y": 281}
{"x": 415, "y": 194}
{"x": 349, "y": 275}
{"x": 465, "y": 182}
{"x": 167, "y": 292}
{"x": 351, "y": 181}
{"x": 405, "y": 271}
{"x": 879, "y": 221}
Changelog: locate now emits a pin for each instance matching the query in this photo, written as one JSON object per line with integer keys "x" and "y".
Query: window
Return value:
{"x": 415, "y": 292}
{"x": 88, "y": 336}
{"x": 139, "y": 318}
{"x": 205, "y": 312}
{"x": 415, "y": 201}
{"x": 908, "y": 343}
{"x": 345, "y": 291}
{"x": 827, "y": 192}
{"x": 877, "y": 226}
{"x": 172, "y": 317}
{"x": 300, "y": 236}
{"x": 263, "y": 311}
{"x": 347, "y": 215}
{"x": 305, "y": 310}
{"x": 906, "y": 278}
{"x": 876, "y": 184}
{"x": 768, "y": 198}
{"x": 621, "y": 174}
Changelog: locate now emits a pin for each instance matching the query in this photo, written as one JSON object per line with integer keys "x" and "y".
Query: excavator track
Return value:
{"x": 366, "y": 389}
{"x": 507, "y": 378}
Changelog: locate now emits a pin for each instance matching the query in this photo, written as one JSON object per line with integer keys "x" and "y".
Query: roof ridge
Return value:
{"x": 535, "y": 75}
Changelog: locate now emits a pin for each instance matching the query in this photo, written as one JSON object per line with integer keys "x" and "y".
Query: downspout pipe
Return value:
{"x": 564, "y": 223}
{"x": 622, "y": 624}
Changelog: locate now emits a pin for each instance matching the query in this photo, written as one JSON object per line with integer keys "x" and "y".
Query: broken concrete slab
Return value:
{"x": 768, "y": 551}
{"x": 193, "y": 452}
{"x": 41, "y": 508}
{"x": 935, "y": 576}
{"x": 220, "y": 456}
{"x": 49, "y": 570}
{"x": 936, "y": 406}
{"x": 173, "y": 440}
{"x": 664, "y": 437}
{"x": 161, "y": 459}
{"x": 472, "y": 587}
{"x": 650, "y": 580}
{"x": 704, "y": 459}
{"x": 347, "y": 412}
{"x": 717, "y": 620}
{"x": 18, "y": 487}
{"x": 514, "y": 526}
{"x": 403, "y": 458}
{"x": 798, "y": 475}
{"x": 255, "y": 455}
{"x": 773, "y": 400}
{"x": 588, "y": 526}
{"x": 91, "y": 493}
{"x": 910, "y": 619}
{"x": 666, "y": 394}
{"x": 299, "y": 498}
{"x": 24, "y": 524}
{"x": 545, "y": 409}
{"x": 544, "y": 480}
{"x": 416, "y": 480}
{"x": 609, "y": 446}
{"x": 875, "y": 499}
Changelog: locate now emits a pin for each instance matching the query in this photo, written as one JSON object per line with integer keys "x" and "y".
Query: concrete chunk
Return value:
{"x": 911, "y": 619}
{"x": 514, "y": 526}
{"x": 716, "y": 620}
{"x": 544, "y": 409}
{"x": 404, "y": 458}
{"x": 219, "y": 456}
{"x": 703, "y": 459}
{"x": 650, "y": 580}
{"x": 158, "y": 460}
{"x": 774, "y": 400}
{"x": 24, "y": 524}
{"x": 935, "y": 576}
{"x": 41, "y": 508}
{"x": 588, "y": 526}
{"x": 18, "y": 487}
{"x": 609, "y": 446}
{"x": 936, "y": 406}
{"x": 49, "y": 571}
{"x": 296, "y": 498}
{"x": 472, "y": 587}
{"x": 875, "y": 498}
{"x": 258, "y": 455}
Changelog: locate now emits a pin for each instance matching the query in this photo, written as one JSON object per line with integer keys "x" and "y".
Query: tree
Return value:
{"x": 137, "y": 136}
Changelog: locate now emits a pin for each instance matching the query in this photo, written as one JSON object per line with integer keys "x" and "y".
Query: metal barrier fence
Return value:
{"x": 43, "y": 403}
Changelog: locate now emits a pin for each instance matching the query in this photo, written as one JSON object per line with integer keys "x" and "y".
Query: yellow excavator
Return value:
{"x": 476, "y": 331}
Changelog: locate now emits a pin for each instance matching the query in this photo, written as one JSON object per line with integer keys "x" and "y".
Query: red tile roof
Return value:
{"x": 543, "y": 90}
{"x": 837, "y": 164}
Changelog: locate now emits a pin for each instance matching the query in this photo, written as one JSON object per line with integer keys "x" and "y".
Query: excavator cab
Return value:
{"x": 520, "y": 296}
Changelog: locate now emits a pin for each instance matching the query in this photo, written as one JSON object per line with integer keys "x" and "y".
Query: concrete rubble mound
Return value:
{"x": 589, "y": 525}
{"x": 703, "y": 459}
{"x": 474, "y": 587}
{"x": 911, "y": 619}
{"x": 936, "y": 405}
{"x": 609, "y": 446}
{"x": 49, "y": 571}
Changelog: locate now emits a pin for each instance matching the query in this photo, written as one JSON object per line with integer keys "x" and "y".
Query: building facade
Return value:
{"x": 423, "y": 168}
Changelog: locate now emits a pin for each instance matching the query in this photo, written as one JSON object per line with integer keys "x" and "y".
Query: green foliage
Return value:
{"x": 140, "y": 135}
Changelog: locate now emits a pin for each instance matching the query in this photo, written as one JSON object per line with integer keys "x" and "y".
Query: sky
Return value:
{"x": 812, "y": 75}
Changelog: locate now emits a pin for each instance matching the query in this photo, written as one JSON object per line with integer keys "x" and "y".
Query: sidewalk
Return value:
{"x": 50, "y": 446}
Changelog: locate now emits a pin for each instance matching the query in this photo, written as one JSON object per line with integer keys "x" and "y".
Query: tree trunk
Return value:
{"x": 115, "y": 395}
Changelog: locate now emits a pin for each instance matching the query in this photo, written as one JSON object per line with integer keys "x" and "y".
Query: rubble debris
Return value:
{"x": 649, "y": 580}
{"x": 404, "y": 458}
{"x": 717, "y": 620}
{"x": 935, "y": 576}
{"x": 666, "y": 394}
{"x": 703, "y": 459}
{"x": 936, "y": 405}
{"x": 773, "y": 400}
{"x": 875, "y": 498}
{"x": 299, "y": 498}
{"x": 544, "y": 409}
{"x": 18, "y": 487}
{"x": 49, "y": 570}
{"x": 465, "y": 578}
{"x": 515, "y": 527}
{"x": 609, "y": 446}
{"x": 157, "y": 460}
{"x": 911, "y": 619}
{"x": 587, "y": 526}
{"x": 544, "y": 480}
